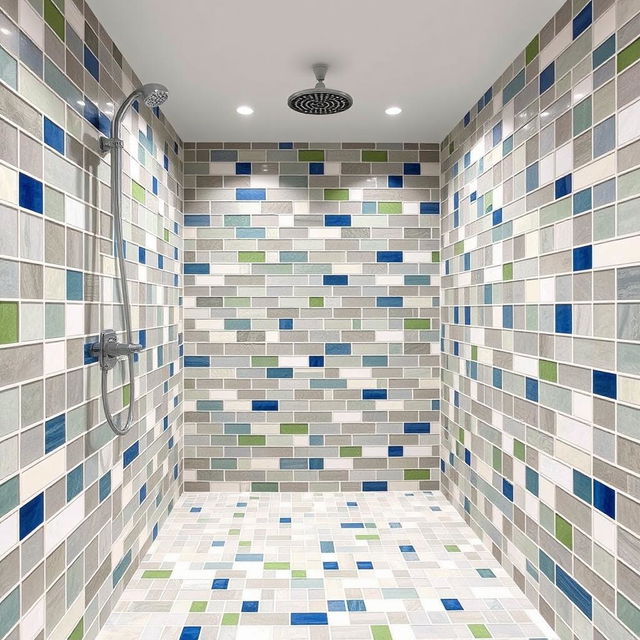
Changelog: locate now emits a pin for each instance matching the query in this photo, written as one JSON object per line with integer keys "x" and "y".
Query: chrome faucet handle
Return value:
{"x": 109, "y": 350}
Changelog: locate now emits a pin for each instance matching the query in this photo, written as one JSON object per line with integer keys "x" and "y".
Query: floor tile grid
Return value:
{"x": 231, "y": 565}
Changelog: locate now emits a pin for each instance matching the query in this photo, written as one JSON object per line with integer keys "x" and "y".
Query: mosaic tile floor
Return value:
{"x": 349, "y": 566}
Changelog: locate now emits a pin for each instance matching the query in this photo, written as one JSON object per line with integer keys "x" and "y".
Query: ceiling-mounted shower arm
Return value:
{"x": 320, "y": 71}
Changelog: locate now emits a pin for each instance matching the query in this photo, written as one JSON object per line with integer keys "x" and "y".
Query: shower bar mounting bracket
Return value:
{"x": 106, "y": 144}
{"x": 109, "y": 350}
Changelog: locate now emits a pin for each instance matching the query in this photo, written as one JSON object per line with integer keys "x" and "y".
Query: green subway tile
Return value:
{"x": 198, "y": 606}
{"x": 223, "y": 463}
{"x": 518, "y": 449}
{"x": 156, "y": 574}
{"x": 310, "y": 155}
{"x": 497, "y": 459}
{"x": 266, "y": 487}
{"x": 137, "y": 191}
{"x": 488, "y": 201}
{"x": 435, "y": 256}
{"x": 461, "y": 434}
{"x": 230, "y": 619}
{"x": 381, "y": 632}
{"x": 78, "y": 631}
{"x": 371, "y": 155}
{"x": 166, "y": 235}
{"x": 367, "y": 536}
{"x": 277, "y": 566}
{"x": 389, "y": 207}
{"x": 479, "y": 630}
{"x": 474, "y": 352}
{"x": 417, "y": 323}
{"x": 264, "y": 361}
{"x": 564, "y": 532}
{"x": 350, "y": 452}
{"x": 234, "y": 532}
{"x": 290, "y": 428}
{"x": 315, "y": 301}
{"x": 299, "y": 573}
{"x": 252, "y": 441}
{"x": 54, "y": 18}
{"x": 532, "y": 49}
{"x": 417, "y": 474}
{"x": 582, "y": 116}
{"x": 556, "y": 211}
{"x": 233, "y": 301}
{"x": 629, "y": 55}
{"x": 251, "y": 256}
{"x": 244, "y": 543}
{"x": 458, "y": 248}
{"x": 507, "y": 271}
{"x": 336, "y": 194}
{"x": 8, "y": 322}
{"x": 126, "y": 394}
{"x": 548, "y": 370}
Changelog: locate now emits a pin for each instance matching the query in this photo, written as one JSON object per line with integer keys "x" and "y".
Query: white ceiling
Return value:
{"x": 433, "y": 58}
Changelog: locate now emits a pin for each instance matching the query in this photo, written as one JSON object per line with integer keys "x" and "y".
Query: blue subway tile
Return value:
{"x": 430, "y": 208}
{"x": 563, "y": 318}
{"x": 53, "y": 135}
{"x": 316, "y": 361}
{"x": 30, "y": 193}
{"x": 335, "y": 280}
{"x": 605, "y": 384}
{"x": 574, "y": 591}
{"x": 243, "y": 168}
{"x": 251, "y": 194}
{"x": 31, "y": 515}
{"x": 583, "y": 20}
{"x": 356, "y": 605}
{"x": 264, "y": 405}
{"x": 279, "y": 372}
{"x": 582, "y": 258}
{"x": 197, "y": 221}
{"x": 531, "y": 389}
{"x": 250, "y": 606}
{"x": 91, "y": 63}
{"x": 395, "y": 451}
{"x": 130, "y": 454}
{"x": 336, "y": 605}
{"x": 604, "y": 498}
{"x": 54, "y": 433}
{"x": 75, "y": 482}
{"x": 196, "y": 268}
{"x": 196, "y": 361}
{"x": 563, "y": 186}
{"x": 389, "y": 301}
{"x": 337, "y": 349}
{"x": 547, "y": 77}
{"x": 582, "y": 486}
{"x": 220, "y": 583}
{"x": 374, "y": 485}
{"x": 417, "y": 427}
{"x": 190, "y": 633}
{"x": 395, "y": 182}
{"x": 411, "y": 169}
{"x": 389, "y": 256}
{"x": 316, "y": 168}
{"x": 285, "y": 324}
{"x": 104, "y": 486}
{"x": 451, "y": 604}
{"x": 374, "y": 394}
{"x": 334, "y": 220}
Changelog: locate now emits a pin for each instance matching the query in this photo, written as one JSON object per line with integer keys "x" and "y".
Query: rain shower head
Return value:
{"x": 320, "y": 101}
{"x": 154, "y": 94}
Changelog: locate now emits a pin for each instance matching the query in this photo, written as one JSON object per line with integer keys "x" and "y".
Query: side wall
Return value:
{"x": 78, "y": 508}
{"x": 311, "y": 316}
{"x": 541, "y": 319}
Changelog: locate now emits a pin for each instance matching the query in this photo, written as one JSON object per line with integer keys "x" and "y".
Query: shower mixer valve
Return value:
{"x": 109, "y": 350}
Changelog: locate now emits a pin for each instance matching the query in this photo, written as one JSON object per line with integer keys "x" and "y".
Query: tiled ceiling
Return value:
{"x": 433, "y": 58}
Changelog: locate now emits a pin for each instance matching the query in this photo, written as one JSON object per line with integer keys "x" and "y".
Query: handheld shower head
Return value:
{"x": 154, "y": 94}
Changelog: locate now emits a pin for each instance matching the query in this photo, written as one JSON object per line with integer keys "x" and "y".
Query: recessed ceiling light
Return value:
{"x": 393, "y": 111}
{"x": 244, "y": 110}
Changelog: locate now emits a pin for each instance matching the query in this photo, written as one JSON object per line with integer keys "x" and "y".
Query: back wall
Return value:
{"x": 311, "y": 308}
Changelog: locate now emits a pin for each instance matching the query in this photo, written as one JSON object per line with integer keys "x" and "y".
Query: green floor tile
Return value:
{"x": 156, "y": 574}
{"x": 9, "y": 320}
{"x": 479, "y": 631}
{"x": 381, "y": 632}
{"x": 230, "y": 619}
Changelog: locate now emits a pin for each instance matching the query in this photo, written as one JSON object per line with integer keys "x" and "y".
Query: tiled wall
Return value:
{"x": 77, "y": 506}
{"x": 541, "y": 319}
{"x": 311, "y": 316}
